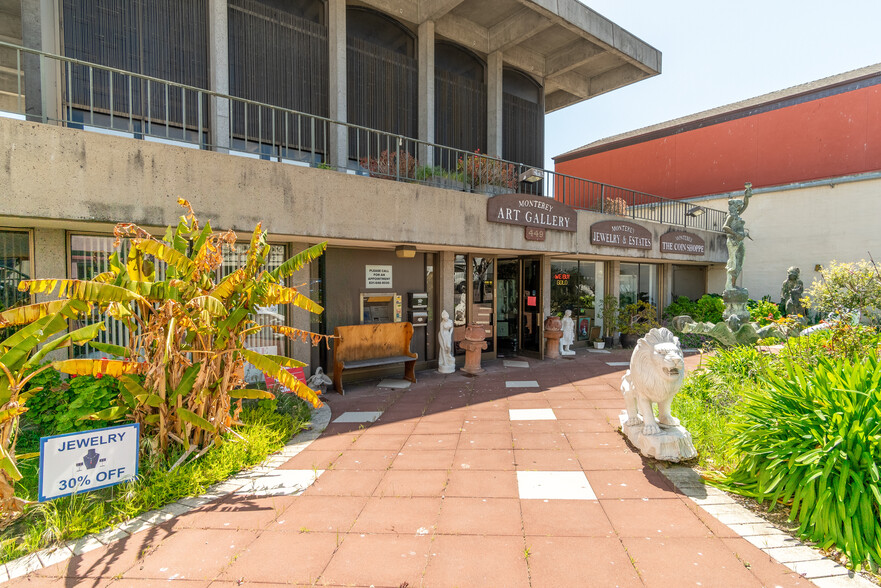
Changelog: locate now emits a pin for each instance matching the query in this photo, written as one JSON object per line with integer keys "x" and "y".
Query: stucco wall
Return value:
{"x": 827, "y": 137}
{"x": 805, "y": 227}
{"x": 56, "y": 176}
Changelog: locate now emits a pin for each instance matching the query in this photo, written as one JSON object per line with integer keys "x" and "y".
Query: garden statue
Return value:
{"x": 736, "y": 313}
{"x": 568, "y": 334}
{"x": 319, "y": 380}
{"x": 657, "y": 369}
{"x": 791, "y": 293}
{"x": 445, "y": 362}
{"x": 737, "y": 232}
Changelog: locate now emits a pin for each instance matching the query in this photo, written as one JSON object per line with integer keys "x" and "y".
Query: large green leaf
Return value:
{"x": 77, "y": 337}
{"x": 194, "y": 419}
{"x": 7, "y": 464}
{"x": 110, "y": 414}
{"x": 209, "y": 303}
{"x": 297, "y": 261}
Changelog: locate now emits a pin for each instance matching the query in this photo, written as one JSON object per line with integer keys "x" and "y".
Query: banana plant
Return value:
{"x": 20, "y": 356}
{"x": 183, "y": 365}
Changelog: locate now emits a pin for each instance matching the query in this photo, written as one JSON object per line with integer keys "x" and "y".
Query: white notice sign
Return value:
{"x": 79, "y": 462}
{"x": 379, "y": 276}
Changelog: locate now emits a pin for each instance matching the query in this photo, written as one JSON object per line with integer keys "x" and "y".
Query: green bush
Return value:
{"x": 846, "y": 287}
{"x": 812, "y": 440}
{"x": 61, "y": 406}
{"x": 764, "y": 311}
{"x": 708, "y": 308}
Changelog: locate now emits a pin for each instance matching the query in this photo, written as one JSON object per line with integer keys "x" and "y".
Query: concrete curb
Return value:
{"x": 792, "y": 553}
{"x": 54, "y": 555}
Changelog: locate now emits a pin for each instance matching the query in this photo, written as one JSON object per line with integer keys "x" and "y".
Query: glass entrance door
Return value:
{"x": 531, "y": 334}
{"x": 518, "y": 307}
{"x": 508, "y": 308}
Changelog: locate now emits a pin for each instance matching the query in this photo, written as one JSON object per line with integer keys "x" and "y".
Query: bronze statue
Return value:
{"x": 791, "y": 292}
{"x": 737, "y": 232}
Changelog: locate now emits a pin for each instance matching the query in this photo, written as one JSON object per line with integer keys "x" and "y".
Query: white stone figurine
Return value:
{"x": 319, "y": 380}
{"x": 568, "y": 337}
{"x": 657, "y": 369}
{"x": 445, "y": 362}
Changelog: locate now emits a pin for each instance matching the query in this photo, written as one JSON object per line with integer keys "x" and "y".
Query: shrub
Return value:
{"x": 480, "y": 169}
{"x": 637, "y": 319}
{"x": 391, "y": 165}
{"x": 813, "y": 441}
{"x": 847, "y": 286}
{"x": 708, "y": 308}
{"x": 764, "y": 311}
{"x": 62, "y": 407}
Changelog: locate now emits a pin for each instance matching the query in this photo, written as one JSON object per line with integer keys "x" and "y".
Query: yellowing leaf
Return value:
{"x": 98, "y": 367}
{"x": 23, "y": 315}
{"x": 271, "y": 368}
{"x": 277, "y": 294}
{"x": 251, "y": 394}
{"x": 228, "y": 285}
{"x": 160, "y": 250}
{"x": 208, "y": 303}
{"x": 85, "y": 290}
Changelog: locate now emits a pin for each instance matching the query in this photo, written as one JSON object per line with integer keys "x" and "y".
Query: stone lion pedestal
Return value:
{"x": 673, "y": 443}
{"x": 657, "y": 369}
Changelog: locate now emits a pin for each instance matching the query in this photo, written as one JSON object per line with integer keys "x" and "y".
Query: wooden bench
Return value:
{"x": 360, "y": 346}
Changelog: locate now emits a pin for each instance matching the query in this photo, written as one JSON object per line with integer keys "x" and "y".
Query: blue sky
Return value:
{"x": 716, "y": 53}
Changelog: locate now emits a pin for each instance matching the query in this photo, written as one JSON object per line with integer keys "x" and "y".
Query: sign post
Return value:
{"x": 79, "y": 462}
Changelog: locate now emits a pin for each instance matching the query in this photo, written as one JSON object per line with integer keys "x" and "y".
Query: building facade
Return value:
{"x": 406, "y": 134}
{"x": 811, "y": 152}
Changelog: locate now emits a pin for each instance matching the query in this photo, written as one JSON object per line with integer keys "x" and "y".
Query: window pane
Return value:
{"x": 15, "y": 266}
{"x": 460, "y": 284}
{"x": 629, "y": 285}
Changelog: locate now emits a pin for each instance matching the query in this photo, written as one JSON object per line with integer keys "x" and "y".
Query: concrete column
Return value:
{"x": 445, "y": 270}
{"x": 218, "y": 58}
{"x": 494, "y": 116}
{"x": 426, "y": 91}
{"x": 665, "y": 287}
{"x": 337, "y": 109}
{"x": 546, "y": 284}
{"x": 40, "y": 30}
{"x": 50, "y": 262}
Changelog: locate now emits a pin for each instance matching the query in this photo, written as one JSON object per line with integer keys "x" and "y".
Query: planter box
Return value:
{"x": 599, "y": 344}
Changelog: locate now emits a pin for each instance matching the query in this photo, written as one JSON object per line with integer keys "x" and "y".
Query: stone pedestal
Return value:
{"x": 553, "y": 329}
{"x": 474, "y": 344}
{"x": 671, "y": 444}
{"x": 736, "y": 313}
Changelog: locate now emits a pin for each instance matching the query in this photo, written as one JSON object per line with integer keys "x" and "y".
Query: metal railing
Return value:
{"x": 111, "y": 100}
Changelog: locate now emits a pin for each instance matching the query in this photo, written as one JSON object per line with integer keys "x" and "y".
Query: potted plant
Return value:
{"x": 439, "y": 177}
{"x": 599, "y": 343}
{"x": 635, "y": 320}
{"x": 391, "y": 165}
{"x": 608, "y": 310}
{"x": 487, "y": 175}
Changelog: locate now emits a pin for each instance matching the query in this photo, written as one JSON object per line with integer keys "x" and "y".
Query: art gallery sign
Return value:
{"x": 620, "y": 234}
{"x": 531, "y": 211}
{"x": 682, "y": 242}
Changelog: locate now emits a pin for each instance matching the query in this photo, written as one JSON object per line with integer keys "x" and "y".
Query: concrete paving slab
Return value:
{"x": 514, "y": 363}
{"x": 394, "y": 384}
{"x": 554, "y": 485}
{"x": 358, "y": 417}
{"x": 521, "y": 384}
{"x": 532, "y": 414}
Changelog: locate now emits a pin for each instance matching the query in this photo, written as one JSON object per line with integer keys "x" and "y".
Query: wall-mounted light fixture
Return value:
{"x": 406, "y": 251}
{"x": 532, "y": 175}
{"x": 694, "y": 211}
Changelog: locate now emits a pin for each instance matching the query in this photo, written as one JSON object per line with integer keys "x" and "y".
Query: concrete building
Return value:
{"x": 812, "y": 153}
{"x": 408, "y": 134}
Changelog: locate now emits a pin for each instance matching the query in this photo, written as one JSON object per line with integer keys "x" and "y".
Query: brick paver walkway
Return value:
{"x": 445, "y": 489}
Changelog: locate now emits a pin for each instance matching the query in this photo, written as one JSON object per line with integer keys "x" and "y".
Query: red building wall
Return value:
{"x": 820, "y": 138}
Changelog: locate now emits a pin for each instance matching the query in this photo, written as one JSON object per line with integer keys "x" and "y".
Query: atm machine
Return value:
{"x": 381, "y": 307}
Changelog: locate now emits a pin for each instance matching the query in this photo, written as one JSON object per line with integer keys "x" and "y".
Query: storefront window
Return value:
{"x": 15, "y": 266}
{"x": 576, "y": 286}
{"x": 482, "y": 279}
{"x": 90, "y": 256}
{"x": 639, "y": 282}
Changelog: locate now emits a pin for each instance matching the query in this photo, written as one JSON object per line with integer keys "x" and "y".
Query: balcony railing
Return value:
{"x": 110, "y": 100}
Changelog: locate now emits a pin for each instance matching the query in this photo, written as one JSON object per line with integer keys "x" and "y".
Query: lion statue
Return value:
{"x": 657, "y": 368}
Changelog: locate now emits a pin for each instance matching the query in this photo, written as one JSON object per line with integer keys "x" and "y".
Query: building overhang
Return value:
{"x": 575, "y": 52}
